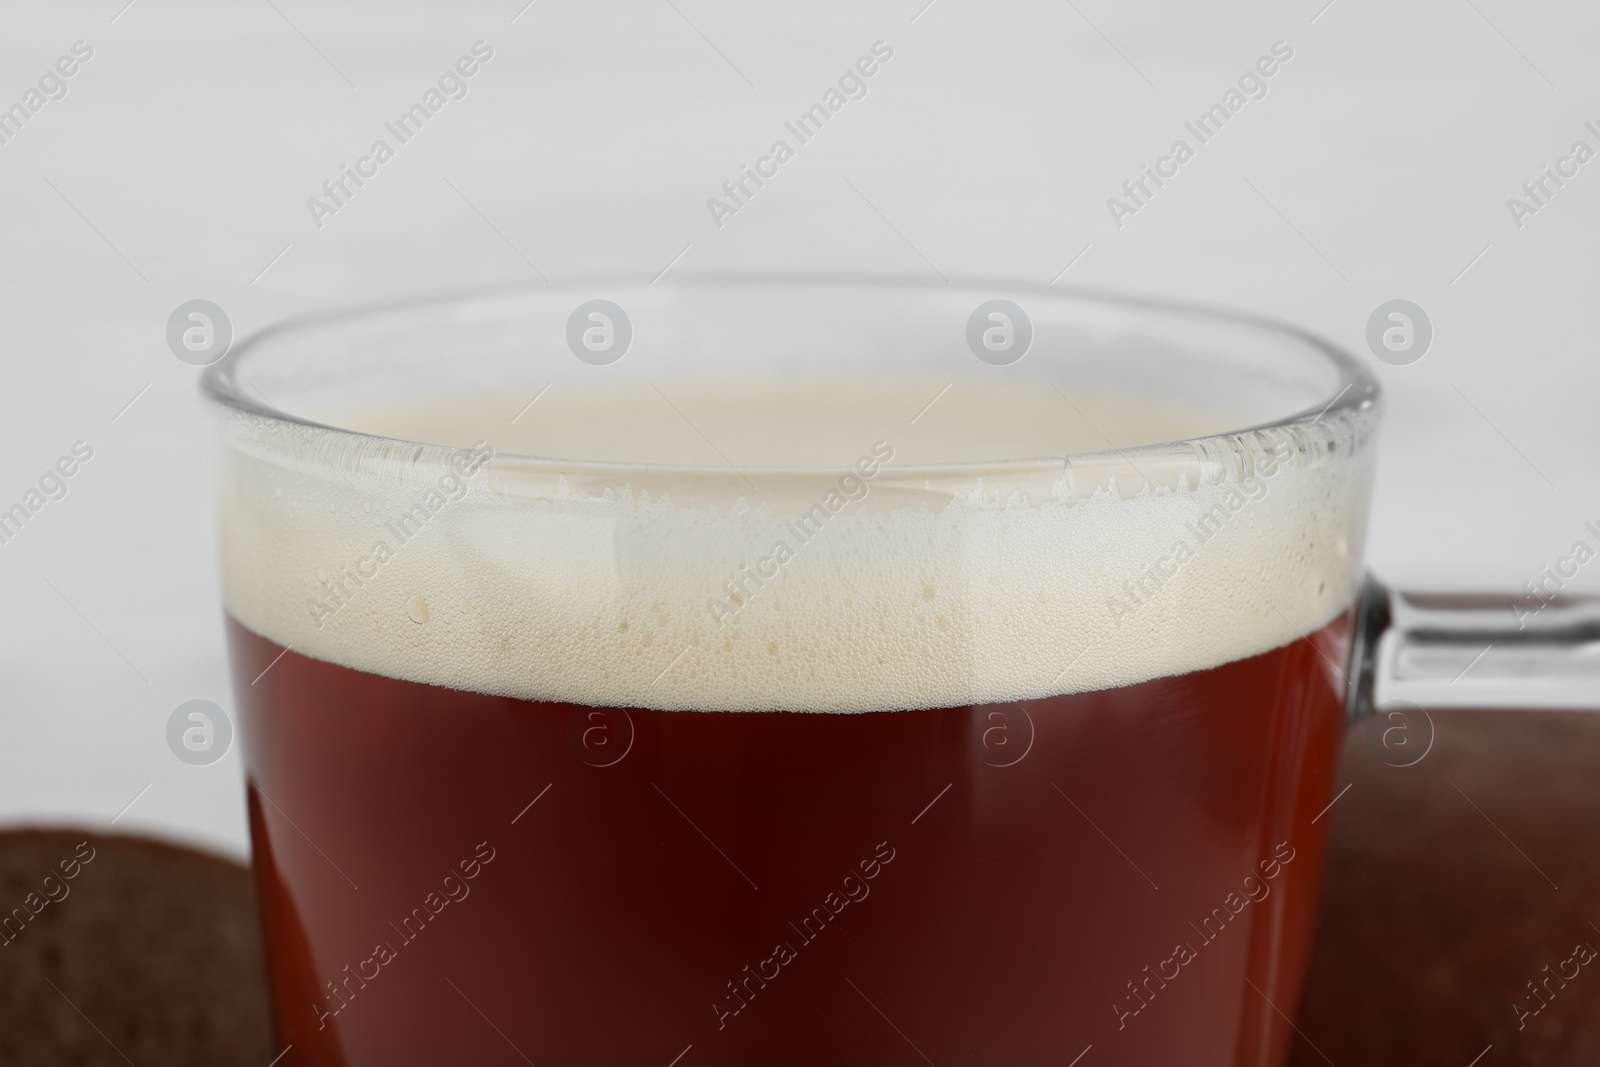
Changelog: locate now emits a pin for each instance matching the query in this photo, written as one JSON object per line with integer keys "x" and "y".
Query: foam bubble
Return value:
{"x": 657, "y": 589}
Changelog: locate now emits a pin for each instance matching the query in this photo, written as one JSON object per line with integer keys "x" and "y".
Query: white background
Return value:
{"x": 179, "y": 163}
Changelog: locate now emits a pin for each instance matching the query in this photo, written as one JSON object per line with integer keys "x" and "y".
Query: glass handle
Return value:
{"x": 1474, "y": 650}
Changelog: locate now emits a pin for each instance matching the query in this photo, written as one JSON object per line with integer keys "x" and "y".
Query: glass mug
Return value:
{"x": 792, "y": 671}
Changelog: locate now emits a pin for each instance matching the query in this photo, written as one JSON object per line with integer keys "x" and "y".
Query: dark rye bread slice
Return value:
{"x": 148, "y": 954}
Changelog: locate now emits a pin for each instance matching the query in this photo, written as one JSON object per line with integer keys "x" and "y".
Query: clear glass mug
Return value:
{"x": 794, "y": 671}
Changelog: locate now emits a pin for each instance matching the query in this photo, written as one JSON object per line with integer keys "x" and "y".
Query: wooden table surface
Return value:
{"x": 1451, "y": 884}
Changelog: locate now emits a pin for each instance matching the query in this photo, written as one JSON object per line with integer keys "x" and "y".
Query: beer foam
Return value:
{"x": 870, "y": 581}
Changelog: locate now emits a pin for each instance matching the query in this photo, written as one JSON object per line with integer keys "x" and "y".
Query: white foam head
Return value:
{"x": 865, "y": 576}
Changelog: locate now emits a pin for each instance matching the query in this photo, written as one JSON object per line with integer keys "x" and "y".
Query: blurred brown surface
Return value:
{"x": 145, "y": 954}
{"x": 1451, "y": 884}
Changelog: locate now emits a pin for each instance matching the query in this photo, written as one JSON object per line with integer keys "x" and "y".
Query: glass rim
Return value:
{"x": 1357, "y": 387}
